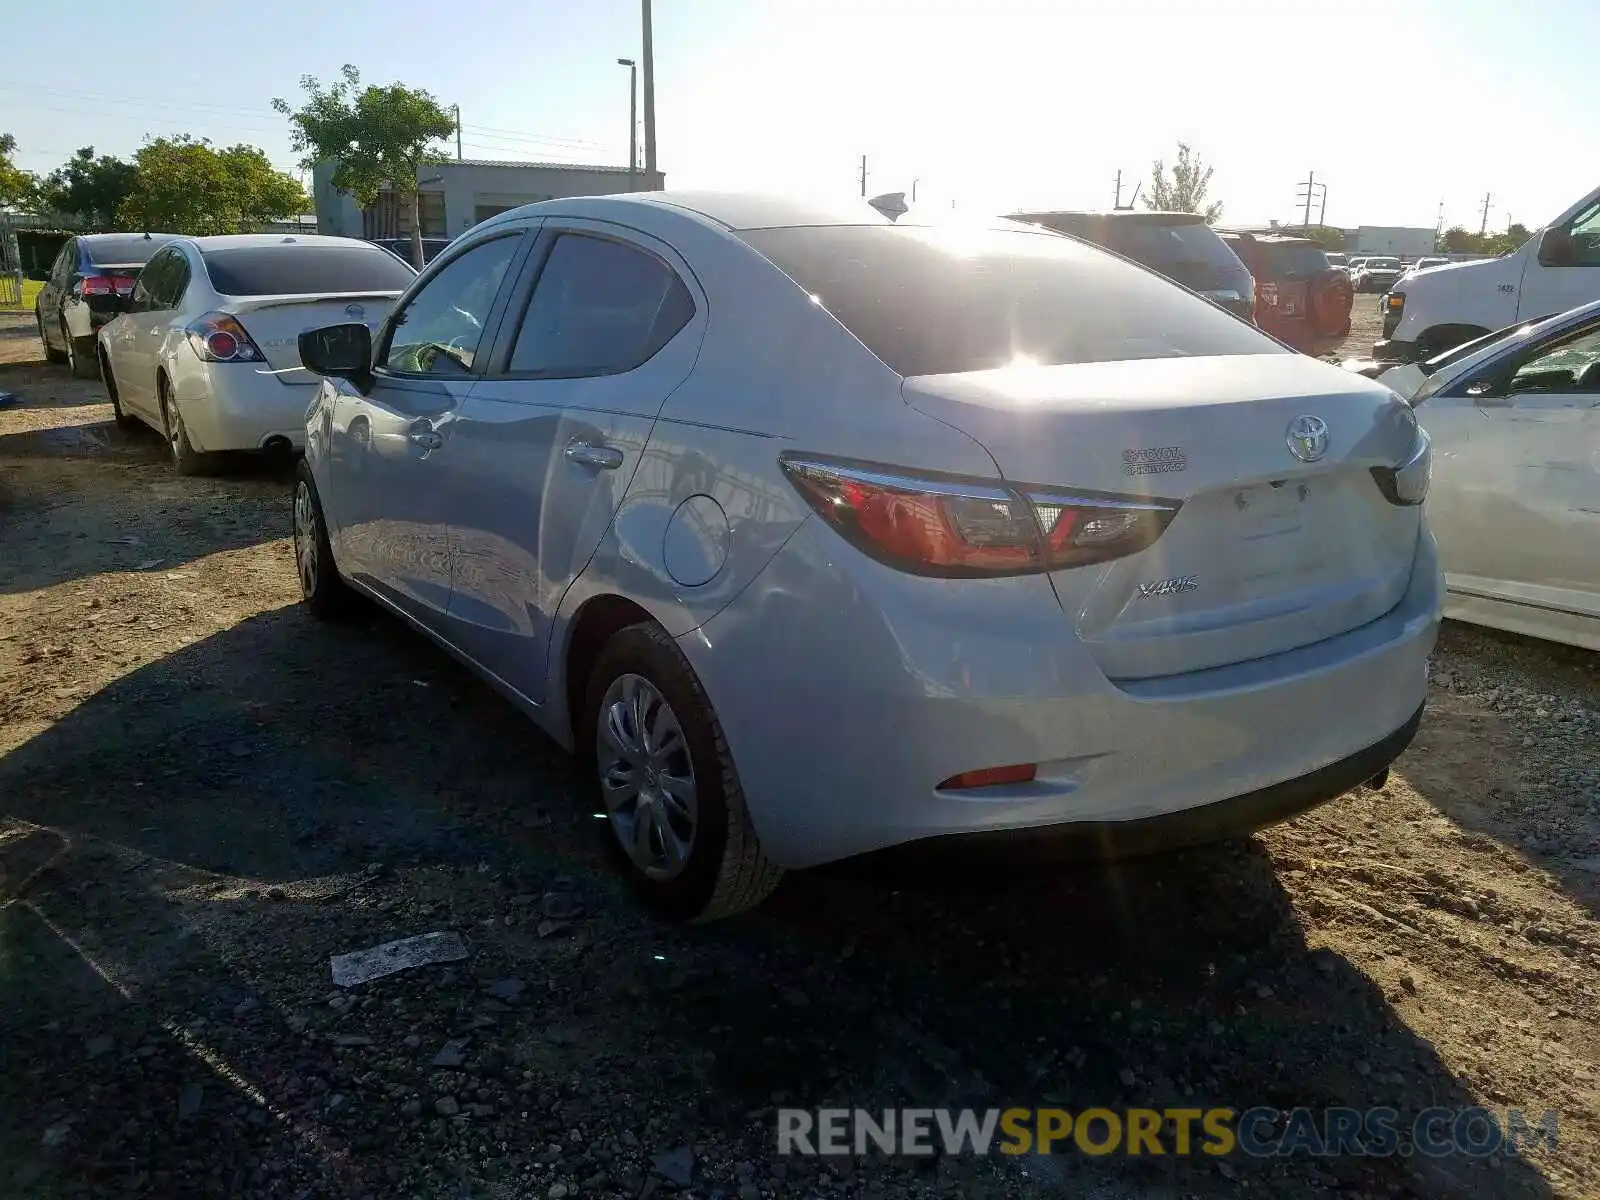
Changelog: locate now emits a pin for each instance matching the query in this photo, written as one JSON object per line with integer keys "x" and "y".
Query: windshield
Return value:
{"x": 1295, "y": 260}
{"x": 290, "y": 269}
{"x": 936, "y": 301}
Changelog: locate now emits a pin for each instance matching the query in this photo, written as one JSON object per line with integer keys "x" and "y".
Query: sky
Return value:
{"x": 1396, "y": 105}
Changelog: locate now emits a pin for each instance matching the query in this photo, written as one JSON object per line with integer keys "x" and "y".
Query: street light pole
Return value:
{"x": 633, "y": 122}
{"x": 649, "y": 93}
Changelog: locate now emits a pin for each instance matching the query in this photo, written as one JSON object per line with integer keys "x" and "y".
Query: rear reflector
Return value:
{"x": 990, "y": 776}
{"x": 957, "y": 527}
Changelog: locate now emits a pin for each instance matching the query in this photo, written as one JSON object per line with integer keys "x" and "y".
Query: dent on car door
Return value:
{"x": 1517, "y": 501}
{"x": 394, "y": 466}
{"x": 602, "y": 328}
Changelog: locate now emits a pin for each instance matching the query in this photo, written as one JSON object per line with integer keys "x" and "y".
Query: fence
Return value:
{"x": 10, "y": 267}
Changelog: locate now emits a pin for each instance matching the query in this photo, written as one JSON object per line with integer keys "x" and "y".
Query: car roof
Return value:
{"x": 1145, "y": 216}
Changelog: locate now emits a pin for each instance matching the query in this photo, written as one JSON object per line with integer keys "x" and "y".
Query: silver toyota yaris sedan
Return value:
{"x": 816, "y": 532}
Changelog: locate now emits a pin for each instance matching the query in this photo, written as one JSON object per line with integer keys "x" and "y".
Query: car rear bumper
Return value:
{"x": 240, "y": 406}
{"x": 848, "y": 694}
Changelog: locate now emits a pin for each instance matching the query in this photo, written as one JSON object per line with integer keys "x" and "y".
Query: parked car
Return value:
{"x": 1424, "y": 264}
{"x": 402, "y": 246}
{"x": 1553, "y": 271}
{"x": 1515, "y": 419}
{"x": 1180, "y": 246}
{"x": 1301, "y": 298}
{"x": 1354, "y": 264}
{"x": 81, "y": 294}
{"x": 1338, "y": 259}
{"x": 815, "y": 533}
{"x": 207, "y": 353}
{"x": 1376, "y": 274}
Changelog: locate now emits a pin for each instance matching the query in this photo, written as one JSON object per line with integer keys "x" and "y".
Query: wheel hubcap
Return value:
{"x": 305, "y": 538}
{"x": 647, "y": 777}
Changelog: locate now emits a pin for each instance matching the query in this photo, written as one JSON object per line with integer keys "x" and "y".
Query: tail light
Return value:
{"x": 1408, "y": 483}
{"x": 990, "y": 777}
{"x": 218, "y": 337}
{"x": 957, "y": 527}
{"x": 106, "y": 285}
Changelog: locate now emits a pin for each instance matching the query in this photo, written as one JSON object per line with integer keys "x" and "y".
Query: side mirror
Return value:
{"x": 343, "y": 351}
{"x": 1555, "y": 248}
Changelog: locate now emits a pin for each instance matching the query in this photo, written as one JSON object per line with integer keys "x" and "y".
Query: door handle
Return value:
{"x": 424, "y": 436}
{"x": 607, "y": 458}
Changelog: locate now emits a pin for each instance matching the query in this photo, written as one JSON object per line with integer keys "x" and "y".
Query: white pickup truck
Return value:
{"x": 1426, "y": 313}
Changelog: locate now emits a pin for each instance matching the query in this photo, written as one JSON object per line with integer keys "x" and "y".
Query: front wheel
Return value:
{"x": 676, "y": 812}
{"x": 122, "y": 418}
{"x": 321, "y": 587}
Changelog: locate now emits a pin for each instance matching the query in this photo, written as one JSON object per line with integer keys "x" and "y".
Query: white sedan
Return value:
{"x": 1515, "y": 502}
{"x": 207, "y": 353}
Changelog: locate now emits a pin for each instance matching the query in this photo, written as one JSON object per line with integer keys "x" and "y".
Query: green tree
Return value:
{"x": 378, "y": 137}
{"x": 1457, "y": 240}
{"x": 1326, "y": 236}
{"x": 185, "y": 185}
{"x": 1185, "y": 190}
{"x": 89, "y": 188}
{"x": 17, "y": 187}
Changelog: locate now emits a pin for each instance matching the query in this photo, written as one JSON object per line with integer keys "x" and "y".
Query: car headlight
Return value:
{"x": 1408, "y": 483}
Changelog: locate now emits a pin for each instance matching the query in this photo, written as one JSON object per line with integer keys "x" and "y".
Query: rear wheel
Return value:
{"x": 82, "y": 366}
{"x": 676, "y": 813}
{"x": 185, "y": 457}
{"x": 321, "y": 587}
{"x": 123, "y": 419}
{"x": 51, "y": 354}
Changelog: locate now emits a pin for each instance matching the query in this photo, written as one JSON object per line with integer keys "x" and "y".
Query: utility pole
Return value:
{"x": 1310, "y": 185}
{"x": 457, "y": 109}
{"x": 914, "y": 183}
{"x": 1117, "y": 203}
{"x": 649, "y": 94}
{"x": 1438, "y": 222}
{"x": 1483, "y": 226}
{"x": 863, "y": 174}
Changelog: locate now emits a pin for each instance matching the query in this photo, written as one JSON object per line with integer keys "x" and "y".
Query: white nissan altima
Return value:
{"x": 207, "y": 351}
{"x": 816, "y": 533}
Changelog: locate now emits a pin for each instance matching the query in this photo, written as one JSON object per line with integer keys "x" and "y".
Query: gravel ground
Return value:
{"x": 204, "y": 795}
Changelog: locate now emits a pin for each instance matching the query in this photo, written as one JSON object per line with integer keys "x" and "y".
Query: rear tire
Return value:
{"x": 323, "y": 590}
{"x": 646, "y": 719}
{"x": 185, "y": 457}
{"x": 122, "y": 418}
{"x": 81, "y": 365}
{"x": 51, "y": 354}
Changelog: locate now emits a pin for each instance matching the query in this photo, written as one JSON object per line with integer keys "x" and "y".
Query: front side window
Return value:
{"x": 600, "y": 308}
{"x": 441, "y": 328}
{"x": 1564, "y": 366}
{"x": 931, "y": 301}
{"x": 1585, "y": 230}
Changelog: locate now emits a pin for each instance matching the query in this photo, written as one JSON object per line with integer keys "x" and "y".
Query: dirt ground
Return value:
{"x": 204, "y": 795}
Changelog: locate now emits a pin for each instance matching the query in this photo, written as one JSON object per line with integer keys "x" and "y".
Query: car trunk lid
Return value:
{"x": 275, "y": 323}
{"x": 1266, "y": 553}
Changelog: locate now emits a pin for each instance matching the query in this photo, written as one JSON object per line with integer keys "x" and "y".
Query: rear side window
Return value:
{"x": 291, "y": 269}
{"x": 600, "y": 308}
{"x": 1164, "y": 246}
{"x": 935, "y": 301}
{"x": 121, "y": 251}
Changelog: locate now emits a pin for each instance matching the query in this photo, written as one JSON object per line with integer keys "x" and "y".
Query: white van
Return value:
{"x": 1427, "y": 313}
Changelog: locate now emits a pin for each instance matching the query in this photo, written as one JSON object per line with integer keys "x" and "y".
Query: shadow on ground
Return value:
{"x": 282, "y": 751}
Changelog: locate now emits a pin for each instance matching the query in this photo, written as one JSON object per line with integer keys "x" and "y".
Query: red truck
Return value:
{"x": 1301, "y": 298}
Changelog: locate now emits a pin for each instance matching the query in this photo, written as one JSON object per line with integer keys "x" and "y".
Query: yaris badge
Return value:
{"x": 1307, "y": 437}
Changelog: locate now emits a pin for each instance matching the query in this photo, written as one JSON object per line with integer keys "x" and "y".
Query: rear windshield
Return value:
{"x": 301, "y": 270}
{"x": 1296, "y": 260}
{"x": 122, "y": 251}
{"x": 935, "y": 301}
{"x": 1168, "y": 246}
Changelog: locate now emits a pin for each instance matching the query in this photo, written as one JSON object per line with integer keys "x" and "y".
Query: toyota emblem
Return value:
{"x": 1307, "y": 437}
{"x": 354, "y": 311}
